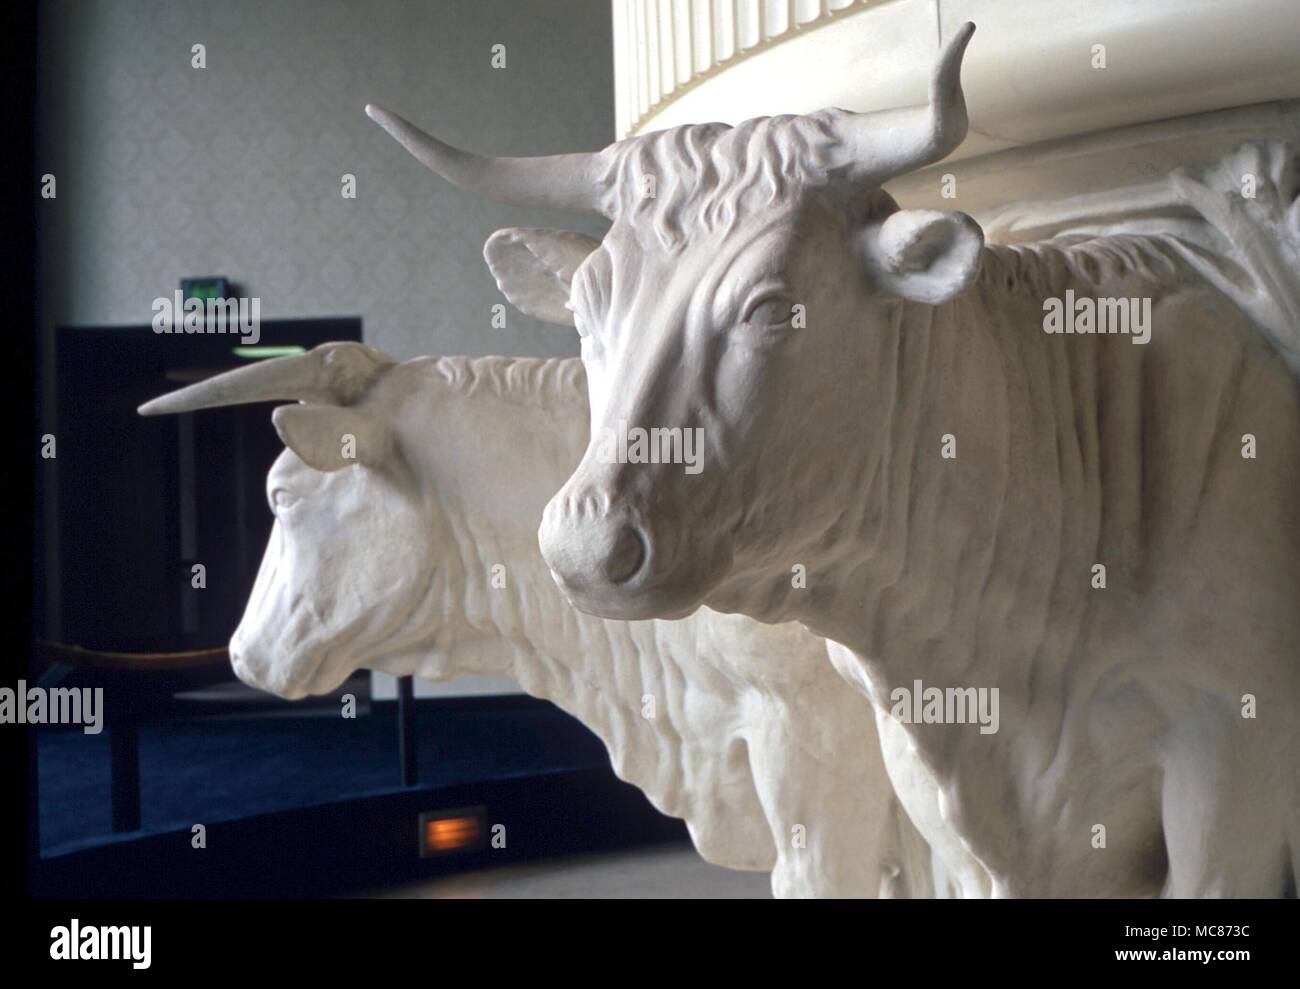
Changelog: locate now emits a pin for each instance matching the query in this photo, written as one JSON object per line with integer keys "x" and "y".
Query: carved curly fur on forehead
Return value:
{"x": 707, "y": 176}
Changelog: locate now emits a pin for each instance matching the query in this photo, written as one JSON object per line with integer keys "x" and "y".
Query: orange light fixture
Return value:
{"x": 457, "y": 830}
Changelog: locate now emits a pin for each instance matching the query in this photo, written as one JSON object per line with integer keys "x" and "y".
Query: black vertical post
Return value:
{"x": 124, "y": 749}
{"x": 406, "y": 729}
{"x": 33, "y": 799}
{"x": 189, "y": 527}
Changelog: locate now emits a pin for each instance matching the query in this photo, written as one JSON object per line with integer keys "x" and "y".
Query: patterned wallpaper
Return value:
{"x": 165, "y": 170}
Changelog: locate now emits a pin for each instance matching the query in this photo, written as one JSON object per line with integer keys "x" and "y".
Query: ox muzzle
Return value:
{"x": 613, "y": 557}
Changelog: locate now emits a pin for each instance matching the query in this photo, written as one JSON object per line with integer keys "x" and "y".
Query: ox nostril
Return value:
{"x": 625, "y": 556}
{"x": 590, "y": 552}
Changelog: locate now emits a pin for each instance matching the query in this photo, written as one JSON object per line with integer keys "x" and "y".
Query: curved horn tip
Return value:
{"x": 384, "y": 118}
{"x": 956, "y": 45}
{"x": 163, "y": 405}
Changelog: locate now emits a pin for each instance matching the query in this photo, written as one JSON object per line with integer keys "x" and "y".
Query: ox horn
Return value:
{"x": 331, "y": 374}
{"x": 563, "y": 182}
{"x": 881, "y": 145}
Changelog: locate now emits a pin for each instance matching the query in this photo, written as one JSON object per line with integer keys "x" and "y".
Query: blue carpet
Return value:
{"x": 222, "y": 769}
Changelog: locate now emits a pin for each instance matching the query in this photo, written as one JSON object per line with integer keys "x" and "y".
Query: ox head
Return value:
{"x": 351, "y": 546}
{"x": 735, "y": 322}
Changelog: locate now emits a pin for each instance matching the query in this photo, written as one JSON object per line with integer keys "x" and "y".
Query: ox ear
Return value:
{"x": 329, "y": 438}
{"x": 533, "y": 268}
{"x": 923, "y": 255}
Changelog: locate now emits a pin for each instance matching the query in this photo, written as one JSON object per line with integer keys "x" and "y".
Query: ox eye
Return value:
{"x": 769, "y": 311}
{"x": 282, "y": 498}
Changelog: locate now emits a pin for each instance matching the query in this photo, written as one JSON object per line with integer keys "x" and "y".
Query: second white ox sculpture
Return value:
{"x": 386, "y": 562}
{"x": 881, "y": 405}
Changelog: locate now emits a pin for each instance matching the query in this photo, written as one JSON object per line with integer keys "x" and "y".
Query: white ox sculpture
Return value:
{"x": 880, "y": 404}
{"x": 386, "y": 562}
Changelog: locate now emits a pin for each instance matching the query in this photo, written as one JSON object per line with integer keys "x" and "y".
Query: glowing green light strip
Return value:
{"x": 257, "y": 353}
